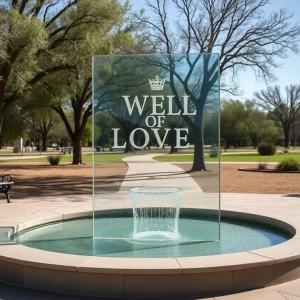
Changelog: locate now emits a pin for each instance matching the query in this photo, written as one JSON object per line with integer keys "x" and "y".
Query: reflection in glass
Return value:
{"x": 156, "y": 104}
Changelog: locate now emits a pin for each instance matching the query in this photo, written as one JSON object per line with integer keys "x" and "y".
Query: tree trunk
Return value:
{"x": 77, "y": 153}
{"x": 286, "y": 138}
{"x": 225, "y": 145}
{"x": 38, "y": 146}
{"x": 173, "y": 141}
{"x": 294, "y": 137}
{"x": 128, "y": 147}
{"x": 199, "y": 163}
{"x": 1, "y": 121}
{"x": 44, "y": 142}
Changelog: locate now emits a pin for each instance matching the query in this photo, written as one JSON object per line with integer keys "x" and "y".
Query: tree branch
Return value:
{"x": 52, "y": 20}
{"x": 39, "y": 76}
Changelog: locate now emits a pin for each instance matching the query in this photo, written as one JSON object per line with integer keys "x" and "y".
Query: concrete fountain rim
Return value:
{"x": 26, "y": 256}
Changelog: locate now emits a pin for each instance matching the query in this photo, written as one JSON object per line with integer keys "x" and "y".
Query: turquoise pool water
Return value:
{"x": 75, "y": 237}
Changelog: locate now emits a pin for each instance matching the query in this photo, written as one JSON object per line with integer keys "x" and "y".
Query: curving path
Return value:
{"x": 144, "y": 171}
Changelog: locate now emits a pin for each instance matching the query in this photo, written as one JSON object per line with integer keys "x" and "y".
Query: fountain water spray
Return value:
{"x": 155, "y": 212}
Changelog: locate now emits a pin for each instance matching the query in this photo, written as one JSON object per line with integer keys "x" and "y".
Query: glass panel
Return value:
{"x": 146, "y": 107}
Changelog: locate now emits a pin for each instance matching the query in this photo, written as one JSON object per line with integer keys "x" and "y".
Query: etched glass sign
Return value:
{"x": 156, "y": 128}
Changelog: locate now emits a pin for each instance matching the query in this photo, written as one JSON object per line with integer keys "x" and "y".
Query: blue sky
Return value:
{"x": 287, "y": 73}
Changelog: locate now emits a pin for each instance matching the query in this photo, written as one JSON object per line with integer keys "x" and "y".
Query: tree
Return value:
{"x": 240, "y": 31}
{"x": 174, "y": 122}
{"x": 231, "y": 122}
{"x": 71, "y": 89}
{"x": 103, "y": 124}
{"x": 40, "y": 37}
{"x": 88, "y": 135}
{"x": 21, "y": 37}
{"x": 41, "y": 120}
{"x": 283, "y": 109}
{"x": 79, "y": 102}
{"x": 211, "y": 128}
{"x": 13, "y": 127}
{"x": 28, "y": 30}
{"x": 258, "y": 127}
{"x": 295, "y": 134}
{"x": 114, "y": 78}
{"x": 36, "y": 112}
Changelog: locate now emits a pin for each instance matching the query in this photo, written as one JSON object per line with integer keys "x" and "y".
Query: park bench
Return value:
{"x": 65, "y": 150}
{"x": 5, "y": 185}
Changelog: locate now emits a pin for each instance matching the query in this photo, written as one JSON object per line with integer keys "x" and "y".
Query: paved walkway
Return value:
{"x": 288, "y": 291}
{"x": 140, "y": 173}
{"x": 144, "y": 171}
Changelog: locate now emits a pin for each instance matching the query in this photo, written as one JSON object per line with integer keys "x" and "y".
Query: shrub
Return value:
{"x": 288, "y": 164}
{"x": 54, "y": 159}
{"x": 285, "y": 151}
{"x": 214, "y": 152}
{"x": 262, "y": 165}
{"x": 266, "y": 149}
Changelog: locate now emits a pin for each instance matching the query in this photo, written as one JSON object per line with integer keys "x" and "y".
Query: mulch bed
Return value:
{"x": 266, "y": 170}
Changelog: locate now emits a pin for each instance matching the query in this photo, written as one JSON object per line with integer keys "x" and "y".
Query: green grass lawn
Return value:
{"x": 117, "y": 157}
{"x": 230, "y": 158}
{"x": 251, "y": 149}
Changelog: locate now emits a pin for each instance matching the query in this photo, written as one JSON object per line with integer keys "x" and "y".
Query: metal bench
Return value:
{"x": 5, "y": 185}
{"x": 65, "y": 150}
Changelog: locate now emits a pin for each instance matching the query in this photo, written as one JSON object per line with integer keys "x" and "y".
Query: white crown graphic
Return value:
{"x": 157, "y": 84}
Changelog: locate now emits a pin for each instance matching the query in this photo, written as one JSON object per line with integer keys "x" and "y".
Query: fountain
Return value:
{"x": 155, "y": 213}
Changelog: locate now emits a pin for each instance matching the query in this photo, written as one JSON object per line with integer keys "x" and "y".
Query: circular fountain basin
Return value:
{"x": 75, "y": 237}
{"x": 129, "y": 274}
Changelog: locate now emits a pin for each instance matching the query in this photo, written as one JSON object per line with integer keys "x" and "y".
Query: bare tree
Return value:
{"x": 283, "y": 109}
{"x": 240, "y": 31}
